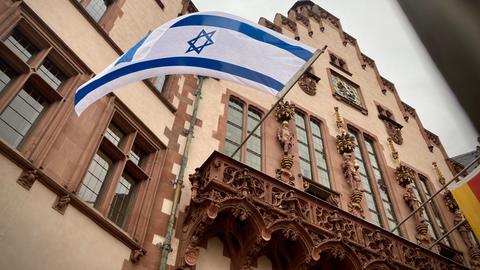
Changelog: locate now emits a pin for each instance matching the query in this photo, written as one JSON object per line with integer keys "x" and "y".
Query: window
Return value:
{"x": 382, "y": 188}
{"x": 20, "y": 45}
{"x": 311, "y": 152}
{"x": 95, "y": 8}
{"x": 102, "y": 12}
{"x": 20, "y": 115}
{"x": 346, "y": 89}
{"x": 433, "y": 213}
{"x": 160, "y": 82}
{"x": 6, "y": 74}
{"x": 364, "y": 176}
{"x": 373, "y": 181}
{"x": 237, "y": 119}
{"x": 118, "y": 169}
{"x": 25, "y": 50}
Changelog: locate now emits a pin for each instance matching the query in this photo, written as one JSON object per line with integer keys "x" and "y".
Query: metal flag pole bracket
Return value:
{"x": 283, "y": 93}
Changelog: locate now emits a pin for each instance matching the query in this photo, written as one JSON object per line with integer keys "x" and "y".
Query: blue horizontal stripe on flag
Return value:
{"x": 246, "y": 29}
{"x": 180, "y": 61}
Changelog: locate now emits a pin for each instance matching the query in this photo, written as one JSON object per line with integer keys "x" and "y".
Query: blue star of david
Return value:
{"x": 202, "y": 34}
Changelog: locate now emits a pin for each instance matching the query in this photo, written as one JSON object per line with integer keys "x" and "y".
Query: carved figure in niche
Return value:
{"x": 285, "y": 137}
{"x": 463, "y": 230}
{"x": 350, "y": 171}
{"x": 413, "y": 202}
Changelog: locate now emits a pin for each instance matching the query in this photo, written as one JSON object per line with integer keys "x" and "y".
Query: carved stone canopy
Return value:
{"x": 450, "y": 201}
{"x": 345, "y": 143}
{"x": 284, "y": 111}
{"x": 404, "y": 175}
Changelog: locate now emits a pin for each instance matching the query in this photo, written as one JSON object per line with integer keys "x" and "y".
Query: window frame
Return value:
{"x": 107, "y": 20}
{"x": 361, "y": 107}
{"x": 36, "y": 142}
{"x": 338, "y": 65}
{"x": 122, "y": 164}
{"x": 308, "y": 119}
{"x": 247, "y": 105}
{"x": 429, "y": 208}
{"x": 361, "y": 135}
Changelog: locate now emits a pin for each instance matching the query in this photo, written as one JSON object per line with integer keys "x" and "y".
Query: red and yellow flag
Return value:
{"x": 467, "y": 195}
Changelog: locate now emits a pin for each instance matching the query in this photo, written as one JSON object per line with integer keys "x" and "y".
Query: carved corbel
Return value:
{"x": 137, "y": 254}
{"x": 61, "y": 203}
{"x": 27, "y": 178}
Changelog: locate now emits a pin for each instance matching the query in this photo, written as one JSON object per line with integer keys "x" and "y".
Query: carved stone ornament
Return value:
{"x": 285, "y": 138}
{"x": 475, "y": 257}
{"x": 404, "y": 175}
{"x": 345, "y": 143}
{"x": 422, "y": 236}
{"x": 308, "y": 83}
{"x": 137, "y": 254}
{"x": 367, "y": 61}
{"x": 284, "y": 111}
{"x": 27, "y": 178}
{"x": 355, "y": 206}
{"x": 191, "y": 255}
{"x": 450, "y": 201}
{"x": 392, "y": 149}
{"x": 61, "y": 203}
{"x": 394, "y": 130}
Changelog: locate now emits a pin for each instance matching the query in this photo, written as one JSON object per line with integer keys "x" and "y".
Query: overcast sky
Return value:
{"x": 383, "y": 33}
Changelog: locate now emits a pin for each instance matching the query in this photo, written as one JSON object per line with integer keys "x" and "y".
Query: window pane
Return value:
{"x": 136, "y": 154}
{"x": 159, "y": 82}
{"x": 20, "y": 45}
{"x": 122, "y": 200}
{"x": 301, "y": 135}
{"x": 299, "y": 120}
{"x": 253, "y": 160}
{"x": 324, "y": 179}
{"x": 6, "y": 74}
{"x": 114, "y": 134}
{"x": 303, "y": 151}
{"x": 306, "y": 169}
{"x": 229, "y": 148}
{"x": 95, "y": 178}
{"x": 51, "y": 74}
{"x": 315, "y": 129}
{"x": 235, "y": 117}
{"x": 234, "y": 133}
{"x": 20, "y": 115}
{"x": 96, "y": 9}
{"x": 254, "y": 144}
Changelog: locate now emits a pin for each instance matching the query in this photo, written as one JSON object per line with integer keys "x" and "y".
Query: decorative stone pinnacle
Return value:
{"x": 441, "y": 179}
{"x": 339, "y": 120}
{"x": 345, "y": 143}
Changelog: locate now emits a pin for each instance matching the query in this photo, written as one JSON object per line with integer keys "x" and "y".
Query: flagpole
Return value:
{"x": 436, "y": 193}
{"x": 283, "y": 93}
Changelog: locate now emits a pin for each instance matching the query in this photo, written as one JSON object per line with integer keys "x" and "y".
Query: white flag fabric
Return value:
{"x": 212, "y": 44}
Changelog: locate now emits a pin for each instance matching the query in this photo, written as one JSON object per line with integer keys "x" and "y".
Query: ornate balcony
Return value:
{"x": 254, "y": 215}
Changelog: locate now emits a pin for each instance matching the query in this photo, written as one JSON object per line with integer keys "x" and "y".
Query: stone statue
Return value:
{"x": 350, "y": 171}
{"x": 285, "y": 138}
{"x": 413, "y": 202}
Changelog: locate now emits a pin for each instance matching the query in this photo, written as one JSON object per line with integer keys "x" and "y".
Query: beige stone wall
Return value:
{"x": 211, "y": 257}
{"x": 139, "y": 17}
{"x": 35, "y": 236}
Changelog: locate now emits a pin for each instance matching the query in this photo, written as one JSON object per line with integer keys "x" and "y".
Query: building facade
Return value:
{"x": 320, "y": 185}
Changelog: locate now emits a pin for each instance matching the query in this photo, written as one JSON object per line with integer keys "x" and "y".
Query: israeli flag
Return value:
{"x": 210, "y": 44}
